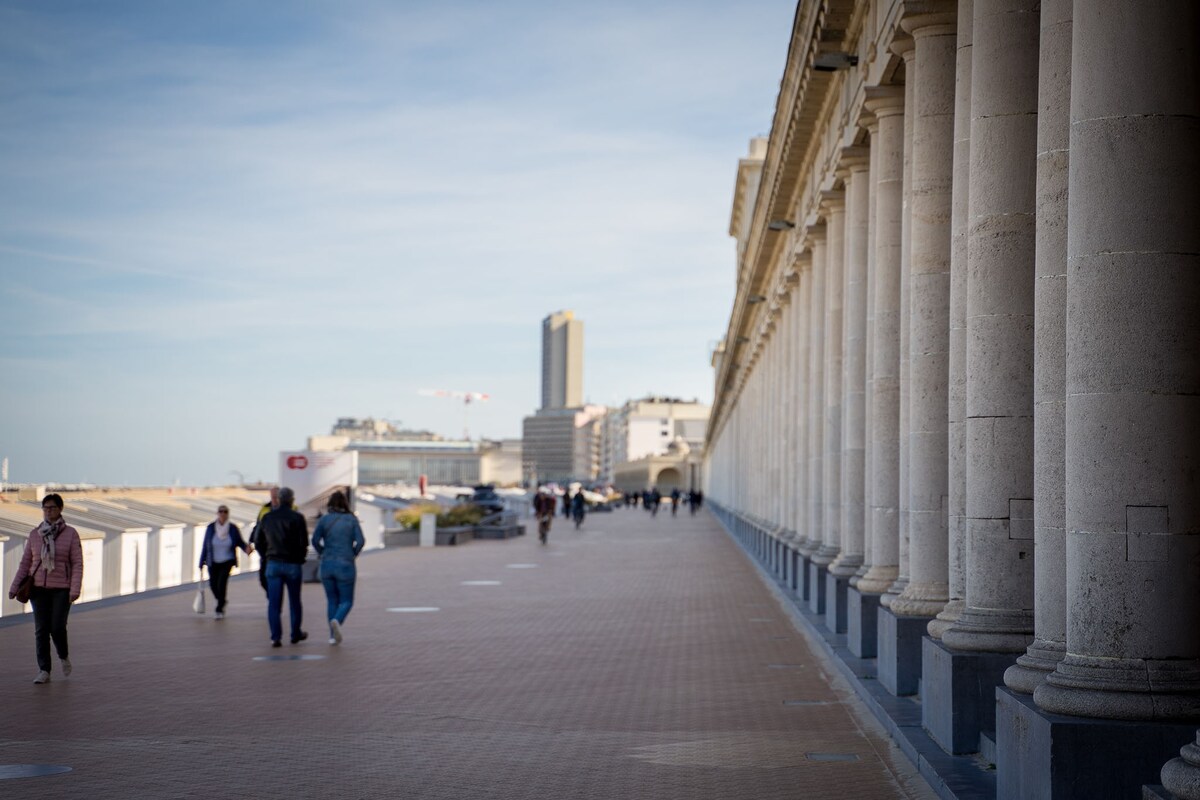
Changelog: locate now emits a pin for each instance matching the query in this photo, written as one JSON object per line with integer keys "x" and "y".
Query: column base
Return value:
{"x": 816, "y": 587}
{"x": 958, "y": 694}
{"x": 1042, "y": 755}
{"x": 835, "y": 602}
{"x": 877, "y": 580}
{"x": 1131, "y": 689}
{"x": 946, "y": 617}
{"x": 862, "y": 619}
{"x": 899, "y": 647}
{"x": 1034, "y": 667}
{"x": 1181, "y": 776}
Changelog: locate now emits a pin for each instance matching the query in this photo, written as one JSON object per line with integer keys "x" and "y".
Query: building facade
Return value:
{"x": 649, "y": 425}
{"x": 389, "y": 455}
{"x": 956, "y": 405}
{"x": 562, "y": 361}
{"x": 562, "y": 444}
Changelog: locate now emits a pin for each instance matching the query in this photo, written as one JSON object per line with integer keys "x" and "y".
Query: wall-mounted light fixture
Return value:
{"x": 755, "y": 298}
{"x": 742, "y": 339}
{"x": 832, "y": 62}
{"x": 780, "y": 225}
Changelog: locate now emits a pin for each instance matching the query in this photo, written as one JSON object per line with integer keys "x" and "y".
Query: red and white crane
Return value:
{"x": 466, "y": 397}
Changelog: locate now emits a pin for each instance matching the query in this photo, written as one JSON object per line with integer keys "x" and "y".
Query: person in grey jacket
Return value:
{"x": 338, "y": 540}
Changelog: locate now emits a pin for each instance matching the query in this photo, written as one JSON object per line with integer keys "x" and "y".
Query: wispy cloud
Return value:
{"x": 379, "y": 196}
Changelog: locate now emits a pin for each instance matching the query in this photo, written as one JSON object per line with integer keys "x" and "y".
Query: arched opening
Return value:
{"x": 670, "y": 478}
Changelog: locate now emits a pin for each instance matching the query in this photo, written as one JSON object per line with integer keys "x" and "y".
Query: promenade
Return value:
{"x": 638, "y": 658}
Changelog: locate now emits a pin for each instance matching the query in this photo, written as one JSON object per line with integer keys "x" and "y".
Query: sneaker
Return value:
{"x": 43, "y": 677}
{"x": 219, "y": 615}
{"x": 66, "y": 667}
{"x": 336, "y": 628}
{"x": 297, "y": 639}
{"x": 276, "y": 643}
{"x": 332, "y": 640}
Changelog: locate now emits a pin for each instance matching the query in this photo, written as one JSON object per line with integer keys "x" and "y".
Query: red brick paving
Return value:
{"x": 641, "y": 658}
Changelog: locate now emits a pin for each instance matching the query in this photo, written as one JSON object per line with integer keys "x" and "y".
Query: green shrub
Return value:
{"x": 462, "y": 514}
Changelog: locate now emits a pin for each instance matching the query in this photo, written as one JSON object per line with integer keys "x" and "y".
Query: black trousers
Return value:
{"x": 50, "y": 609}
{"x": 218, "y": 581}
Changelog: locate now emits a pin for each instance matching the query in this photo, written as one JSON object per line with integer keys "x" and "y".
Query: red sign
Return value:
{"x": 297, "y": 462}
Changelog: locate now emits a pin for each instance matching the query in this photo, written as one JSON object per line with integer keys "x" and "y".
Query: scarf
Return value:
{"x": 49, "y": 532}
{"x": 221, "y": 531}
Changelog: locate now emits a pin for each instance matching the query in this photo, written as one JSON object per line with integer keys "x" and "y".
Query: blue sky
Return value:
{"x": 225, "y": 224}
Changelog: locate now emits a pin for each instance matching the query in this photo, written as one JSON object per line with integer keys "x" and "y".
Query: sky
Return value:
{"x": 223, "y": 225}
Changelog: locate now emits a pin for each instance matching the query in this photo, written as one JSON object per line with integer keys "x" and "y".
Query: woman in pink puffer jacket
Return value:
{"x": 54, "y": 556}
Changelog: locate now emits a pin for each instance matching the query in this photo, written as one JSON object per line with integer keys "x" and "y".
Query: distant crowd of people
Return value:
{"x": 650, "y": 499}
{"x": 50, "y": 575}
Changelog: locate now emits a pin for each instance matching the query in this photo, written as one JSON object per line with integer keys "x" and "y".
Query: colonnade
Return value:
{"x": 958, "y": 404}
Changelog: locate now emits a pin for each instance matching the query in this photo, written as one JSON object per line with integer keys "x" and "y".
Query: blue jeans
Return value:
{"x": 338, "y": 577}
{"x": 280, "y": 575}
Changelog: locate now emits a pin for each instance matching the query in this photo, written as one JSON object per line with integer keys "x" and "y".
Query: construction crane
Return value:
{"x": 466, "y": 397}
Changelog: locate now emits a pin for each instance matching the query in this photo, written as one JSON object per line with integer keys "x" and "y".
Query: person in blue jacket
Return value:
{"x": 338, "y": 540}
{"x": 222, "y": 540}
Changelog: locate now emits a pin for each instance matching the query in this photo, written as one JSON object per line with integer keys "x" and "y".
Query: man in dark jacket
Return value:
{"x": 284, "y": 533}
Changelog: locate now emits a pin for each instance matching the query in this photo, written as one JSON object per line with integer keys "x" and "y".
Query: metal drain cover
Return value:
{"x": 288, "y": 658}
{"x": 831, "y": 756}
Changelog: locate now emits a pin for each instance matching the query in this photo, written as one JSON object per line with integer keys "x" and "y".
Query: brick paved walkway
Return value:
{"x": 639, "y": 658}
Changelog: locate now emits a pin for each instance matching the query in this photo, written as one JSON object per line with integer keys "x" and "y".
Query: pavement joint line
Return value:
{"x": 31, "y": 770}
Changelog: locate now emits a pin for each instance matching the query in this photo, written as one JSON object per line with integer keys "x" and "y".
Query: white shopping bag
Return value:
{"x": 198, "y": 603}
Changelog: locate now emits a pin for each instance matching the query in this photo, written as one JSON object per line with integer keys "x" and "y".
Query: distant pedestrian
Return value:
{"x": 338, "y": 540}
{"x": 578, "y": 507}
{"x": 543, "y": 510}
{"x": 693, "y": 501}
{"x": 222, "y": 540}
{"x": 54, "y": 557}
{"x": 676, "y": 495}
{"x": 655, "y": 501}
{"x": 285, "y": 534}
{"x": 566, "y": 502}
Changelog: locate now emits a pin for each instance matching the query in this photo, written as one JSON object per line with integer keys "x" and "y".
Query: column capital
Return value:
{"x": 814, "y": 233}
{"x": 884, "y": 101}
{"x": 930, "y": 18}
{"x": 832, "y": 200}
{"x": 867, "y": 120}
{"x": 856, "y": 158}
{"x": 904, "y": 46}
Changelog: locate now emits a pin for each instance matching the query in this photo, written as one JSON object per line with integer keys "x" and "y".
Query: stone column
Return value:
{"x": 929, "y": 321}
{"x": 868, "y": 121}
{"x": 855, "y": 162}
{"x": 1133, "y": 367}
{"x": 887, "y": 103}
{"x": 957, "y": 394}
{"x": 834, "y": 206}
{"x": 1049, "y": 365}
{"x": 816, "y": 391}
{"x": 799, "y": 388}
{"x": 904, "y": 47}
{"x": 999, "y": 446}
